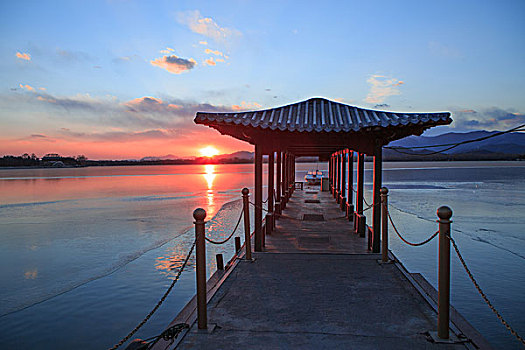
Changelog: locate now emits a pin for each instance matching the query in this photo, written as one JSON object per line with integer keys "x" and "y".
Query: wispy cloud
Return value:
{"x": 246, "y": 106}
{"x": 215, "y": 52}
{"x": 210, "y": 62}
{"x": 174, "y": 64}
{"x": 203, "y": 42}
{"x": 27, "y": 87}
{"x": 382, "y": 87}
{"x": 492, "y": 118}
{"x": 119, "y": 136}
{"x": 23, "y": 56}
{"x": 440, "y": 49}
{"x": 206, "y": 26}
{"x": 73, "y": 56}
{"x": 167, "y": 50}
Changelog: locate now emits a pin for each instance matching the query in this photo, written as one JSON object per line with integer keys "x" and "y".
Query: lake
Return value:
{"x": 87, "y": 252}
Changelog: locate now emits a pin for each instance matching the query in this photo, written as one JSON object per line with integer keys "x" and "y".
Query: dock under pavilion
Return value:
{"x": 332, "y": 131}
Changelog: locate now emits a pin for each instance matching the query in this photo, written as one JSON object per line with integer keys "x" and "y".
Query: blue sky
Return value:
{"x": 123, "y": 79}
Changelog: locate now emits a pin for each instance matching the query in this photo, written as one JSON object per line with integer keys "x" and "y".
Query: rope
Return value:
{"x": 512, "y": 331}
{"x": 126, "y": 338}
{"x": 231, "y": 234}
{"x": 169, "y": 334}
{"x": 404, "y": 240}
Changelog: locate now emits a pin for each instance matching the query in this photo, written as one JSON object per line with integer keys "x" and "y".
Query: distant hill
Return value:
{"x": 245, "y": 155}
{"x": 151, "y": 158}
{"x": 511, "y": 143}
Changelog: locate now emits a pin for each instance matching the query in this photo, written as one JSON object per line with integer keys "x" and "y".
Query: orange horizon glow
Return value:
{"x": 209, "y": 151}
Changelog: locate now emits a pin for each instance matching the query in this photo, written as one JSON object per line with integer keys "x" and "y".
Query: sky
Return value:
{"x": 122, "y": 79}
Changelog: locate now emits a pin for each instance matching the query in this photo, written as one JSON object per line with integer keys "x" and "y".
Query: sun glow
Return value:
{"x": 209, "y": 151}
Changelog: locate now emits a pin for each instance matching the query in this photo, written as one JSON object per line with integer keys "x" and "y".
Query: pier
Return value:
{"x": 316, "y": 285}
{"x": 314, "y": 273}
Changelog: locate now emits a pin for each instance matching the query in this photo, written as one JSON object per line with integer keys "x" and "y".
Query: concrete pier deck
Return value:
{"x": 317, "y": 287}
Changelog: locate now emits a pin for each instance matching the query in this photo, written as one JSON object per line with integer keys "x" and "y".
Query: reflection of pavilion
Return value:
{"x": 209, "y": 175}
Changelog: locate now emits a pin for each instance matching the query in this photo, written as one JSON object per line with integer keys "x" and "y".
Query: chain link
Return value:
{"x": 512, "y": 331}
{"x": 126, "y": 338}
{"x": 404, "y": 240}
{"x": 231, "y": 234}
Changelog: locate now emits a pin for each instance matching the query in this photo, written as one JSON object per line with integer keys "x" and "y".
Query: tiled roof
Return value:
{"x": 321, "y": 115}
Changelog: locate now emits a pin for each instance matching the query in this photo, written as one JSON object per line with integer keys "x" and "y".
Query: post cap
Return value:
{"x": 199, "y": 214}
{"x": 444, "y": 212}
{"x": 384, "y": 190}
{"x": 245, "y": 191}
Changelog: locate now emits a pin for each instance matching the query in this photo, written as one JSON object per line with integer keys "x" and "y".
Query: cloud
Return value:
{"x": 23, "y": 56}
{"x": 27, "y": 87}
{"x": 203, "y": 42}
{"x": 73, "y": 56}
{"x": 382, "y": 87}
{"x": 38, "y": 136}
{"x": 215, "y": 52}
{"x": 246, "y": 105}
{"x": 174, "y": 64}
{"x": 382, "y": 105}
{"x": 120, "y": 136}
{"x": 492, "y": 118}
{"x": 205, "y": 26}
{"x": 210, "y": 62}
{"x": 151, "y": 105}
{"x": 167, "y": 50}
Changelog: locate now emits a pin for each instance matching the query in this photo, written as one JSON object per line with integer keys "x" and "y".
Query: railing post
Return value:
{"x": 220, "y": 261}
{"x": 237, "y": 244}
{"x": 384, "y": 228}
{"x": 444, "y": 213}
{"x": 200, "y": 252}
{"x": 247, "y": 236}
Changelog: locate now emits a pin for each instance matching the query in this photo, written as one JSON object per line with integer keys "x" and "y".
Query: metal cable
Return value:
{"x": 126, "y": 338}
{"x": 404, "y": 240}
{"x": 449, "y": 145}
{"x": 512, "y": 331}
{"x": 231, "y": 234}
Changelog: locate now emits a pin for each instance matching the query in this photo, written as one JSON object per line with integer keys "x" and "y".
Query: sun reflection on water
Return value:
{"x": 209, "y": 175}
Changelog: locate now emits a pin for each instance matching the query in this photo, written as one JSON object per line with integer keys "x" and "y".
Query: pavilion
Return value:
{"x": 330, "y": 130}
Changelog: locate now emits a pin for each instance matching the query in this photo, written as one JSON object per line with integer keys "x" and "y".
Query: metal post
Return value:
{"x": 200, "y": 253}
{"x": 444, "y": 213}
{"x": 246, "y": 214}
{"x": 384, "y": 229}
{"x": 220, "y": 261}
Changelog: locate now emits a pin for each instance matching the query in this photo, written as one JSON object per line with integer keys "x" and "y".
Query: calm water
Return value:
{"x": 86, "y": 253}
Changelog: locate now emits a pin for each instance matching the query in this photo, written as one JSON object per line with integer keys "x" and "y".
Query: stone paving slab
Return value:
{"x": 315, "y": 301}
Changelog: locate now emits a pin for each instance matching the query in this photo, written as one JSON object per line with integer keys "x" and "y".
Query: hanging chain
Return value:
{"x": 404, "y": 240}
{"x": 126, "y": 338}
{"x": 512, "y": 331}
{"x": 231, "y": 234}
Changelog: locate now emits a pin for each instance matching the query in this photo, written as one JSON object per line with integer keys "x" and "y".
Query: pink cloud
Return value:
{"x": 23, "y": 56}
{"x": 174, "y": 64}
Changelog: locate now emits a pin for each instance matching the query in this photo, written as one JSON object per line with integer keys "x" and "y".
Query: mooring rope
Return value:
{"x": 487, "y": 301}
{"x": 127, "y": 337}
{"x": 169, "y": 334}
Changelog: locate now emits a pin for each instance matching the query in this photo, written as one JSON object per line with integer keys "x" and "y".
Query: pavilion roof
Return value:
{"x": 321, "y": 124}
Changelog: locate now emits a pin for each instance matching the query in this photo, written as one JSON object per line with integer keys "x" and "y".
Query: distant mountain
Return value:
{"x": 151, "y": 158}
{"x": 239, "y": 155}
{"x": 511, "y": 143}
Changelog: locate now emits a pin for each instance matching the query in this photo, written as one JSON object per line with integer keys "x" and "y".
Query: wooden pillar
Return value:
{"x": 337, "y": 176}
{"x": 278, "y": 183}
{"x": 271, "y": 177}
{"x": 343, "y": 180}
{"x": 332, "y": 174}
{"x": 376, "y": 214}
{"x": 359, "y": 219}
{"x": 350, "y": 193}
{"x": 258, "y": 198}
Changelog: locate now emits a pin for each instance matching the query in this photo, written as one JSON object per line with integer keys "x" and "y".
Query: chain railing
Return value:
{"x": 483, "y": 295}
{"x": 444, "y": 214}
{"x": 229, "y": 236}
{"x": 159, "y": 303}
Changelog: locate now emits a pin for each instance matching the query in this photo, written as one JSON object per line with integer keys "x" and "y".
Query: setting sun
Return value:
{"x": 209, "y": 151}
